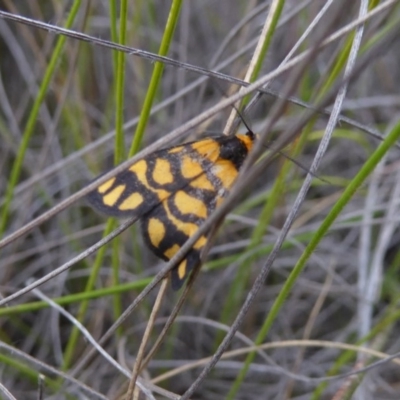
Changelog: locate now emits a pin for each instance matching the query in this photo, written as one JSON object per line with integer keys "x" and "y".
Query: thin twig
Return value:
{"x": 253, "y": 62}
{"x": 70, "y": 263}
{"x": 146, "y": 336}
{"x": 171, "y": 317}
{"x": 259, "y": 282}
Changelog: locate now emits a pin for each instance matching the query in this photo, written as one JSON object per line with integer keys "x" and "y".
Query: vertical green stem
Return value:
{"x": 348, "y": 193}
{"x": 30, "y": 125}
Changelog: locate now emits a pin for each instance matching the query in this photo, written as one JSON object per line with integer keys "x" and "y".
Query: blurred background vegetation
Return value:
{"x": 69, "y": 110}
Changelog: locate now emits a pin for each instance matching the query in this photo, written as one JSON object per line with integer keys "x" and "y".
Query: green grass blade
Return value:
{"x": 156, "y": 76}
{"x": 111, "y": 224}
{"x": 348, "y": 193}
{"x": 31, "y": 123}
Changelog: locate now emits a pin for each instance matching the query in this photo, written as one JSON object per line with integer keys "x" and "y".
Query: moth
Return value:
{"x": 173, "y": 191}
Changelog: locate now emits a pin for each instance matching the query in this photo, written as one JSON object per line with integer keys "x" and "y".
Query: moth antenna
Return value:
{"x": 252, "y": 136}
{"x": 250, "y": 132}
{"x": 299, "y": 164}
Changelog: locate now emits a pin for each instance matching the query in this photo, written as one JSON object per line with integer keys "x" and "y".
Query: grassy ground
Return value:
{"x": 298, "y": 295}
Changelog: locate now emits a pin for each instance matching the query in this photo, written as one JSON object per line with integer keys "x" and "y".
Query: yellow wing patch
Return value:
{"x": 173, "y": 191}
{"x": 162, "y": 172}
{"x": 112, "y": 197}
{"x": 189, "y": 204}
{"x": 158, "y": 230}
{"x": 105, "y": 186}
{"x": 132, "y": 202}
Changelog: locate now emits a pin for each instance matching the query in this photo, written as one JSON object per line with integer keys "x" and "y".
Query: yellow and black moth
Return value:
{"x": 173, "y": 191}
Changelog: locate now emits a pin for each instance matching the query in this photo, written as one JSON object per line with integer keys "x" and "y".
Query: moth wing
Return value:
{"x": 132, "y": 191}
{"x": 182, "y": 271}
{"x": 173, "y": 191}
{"x": 149, "y": 181}
{"x": 165, "y": 231}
